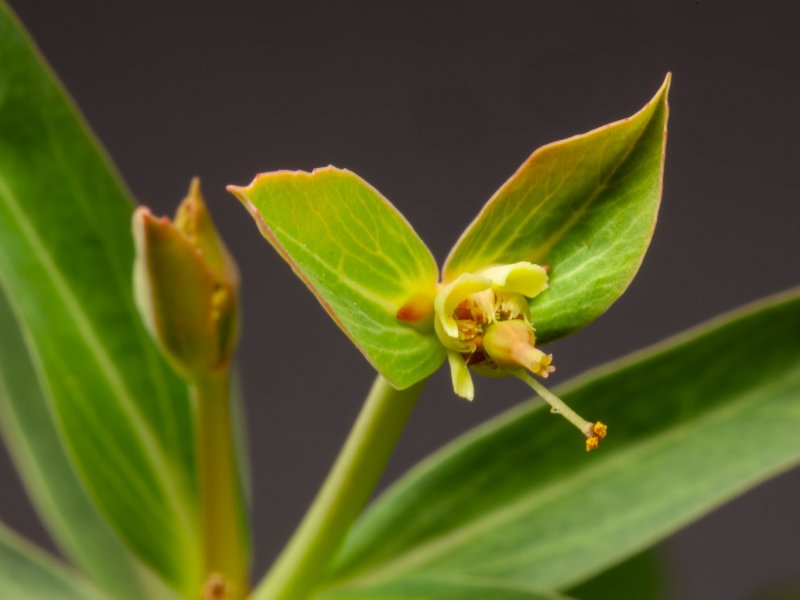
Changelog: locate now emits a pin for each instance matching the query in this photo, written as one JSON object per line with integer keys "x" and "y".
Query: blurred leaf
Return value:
{"x": 461, "y": 588}
{"x": 66, "y": 256}
{"x": 641, "y": 577}
{"x": 240, "y": 439}
{"x": 27, "y": 573}
{"x": 586, "y": 206}
{"x": 50, "y": 480}
{"x": 692, "y": 422}
{"x": 361, "y": 259}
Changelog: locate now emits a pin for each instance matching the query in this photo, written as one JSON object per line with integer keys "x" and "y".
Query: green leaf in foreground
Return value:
{"x": 26, "y": 573}
{"x": 694, "y": 421}
{"x": 360, "y": 258}
{"x": 586, "y": 207}
{"x": 455, "y": 588}
{"x": 66, "y": 255}
{"x": 51, "y": 482}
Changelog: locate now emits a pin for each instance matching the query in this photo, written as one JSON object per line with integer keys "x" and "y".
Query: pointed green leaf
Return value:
{"x": 692, "y": 423}
{"x": 28, "y": 429}
{"x": 66, "y": 257}
{"x": 586, "y": 207}
{"x": 434, "y": 588}
{"x": 27, "y": 573}
{"x": 360, "y": 258}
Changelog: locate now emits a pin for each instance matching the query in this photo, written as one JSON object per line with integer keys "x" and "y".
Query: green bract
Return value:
{"x": 361, "y": 259}
{"x": 584, "y": 207}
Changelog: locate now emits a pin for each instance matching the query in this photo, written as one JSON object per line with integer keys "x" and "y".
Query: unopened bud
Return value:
{"x": 187, "y": 287}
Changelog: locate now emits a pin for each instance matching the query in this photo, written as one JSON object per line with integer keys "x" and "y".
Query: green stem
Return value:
{"x": 225, "y": 539}
{"x": 349, "y": 485}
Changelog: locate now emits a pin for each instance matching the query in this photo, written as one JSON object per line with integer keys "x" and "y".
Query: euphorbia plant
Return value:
{"x": 115, "y": 400}
{"x": 585, "y": 207}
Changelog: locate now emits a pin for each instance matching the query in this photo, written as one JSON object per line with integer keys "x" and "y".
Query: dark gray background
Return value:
{"x": 436, "y": 104}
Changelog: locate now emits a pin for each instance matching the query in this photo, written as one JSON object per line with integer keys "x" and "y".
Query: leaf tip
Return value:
{"x": 660, "y": 97}
{"x": 236, "y": 190}
{"x": 194, "y": 187}
{"x": 663, "y": 91}
{"x": 140, "y": 216}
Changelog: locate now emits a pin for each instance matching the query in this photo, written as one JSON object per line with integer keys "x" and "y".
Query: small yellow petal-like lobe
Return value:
{"x": 460, "y": 375}
{"x": 521, "y": 278}
{"x": 453, "y": 294}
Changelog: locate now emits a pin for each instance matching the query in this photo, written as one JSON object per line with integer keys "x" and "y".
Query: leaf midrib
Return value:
{"x": 548, "y": 244}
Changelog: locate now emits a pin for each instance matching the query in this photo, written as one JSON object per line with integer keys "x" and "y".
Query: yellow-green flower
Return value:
{"x": 484, "y": 322}
{"x": 585, "y": 206}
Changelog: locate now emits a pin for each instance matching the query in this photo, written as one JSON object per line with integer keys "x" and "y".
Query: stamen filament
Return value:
{"x": 559, "y": 406}
{"x": 593, "y": 432}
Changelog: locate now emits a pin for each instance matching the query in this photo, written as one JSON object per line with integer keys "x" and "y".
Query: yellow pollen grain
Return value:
{"x": 600, "y": 429}
{"x": 592, "y": 443}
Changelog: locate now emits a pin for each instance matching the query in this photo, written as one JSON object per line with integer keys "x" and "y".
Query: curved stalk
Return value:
{"x": 346, "y": 490}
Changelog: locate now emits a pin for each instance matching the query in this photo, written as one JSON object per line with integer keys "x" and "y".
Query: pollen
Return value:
{"x": 595, "y": 433}
{"x": 600, "y": 429}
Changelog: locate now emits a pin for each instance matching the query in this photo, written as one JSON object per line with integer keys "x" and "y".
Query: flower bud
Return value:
{"x": 187, "y": 287}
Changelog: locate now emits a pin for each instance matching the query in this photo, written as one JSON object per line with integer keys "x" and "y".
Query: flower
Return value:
{"x": 483, "y": 320}
{"x": 573, "y": 204}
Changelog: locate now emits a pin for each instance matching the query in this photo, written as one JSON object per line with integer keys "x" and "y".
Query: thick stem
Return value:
{"x": 349, "y": 485}
{"x": 225, "y": 539}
